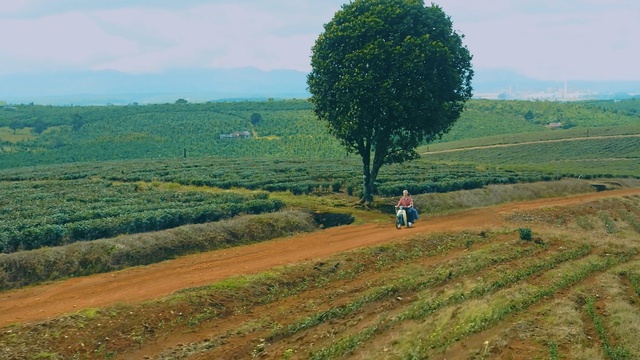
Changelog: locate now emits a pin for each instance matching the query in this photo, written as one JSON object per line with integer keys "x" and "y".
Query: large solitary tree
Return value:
{"x": 388, "y": 76}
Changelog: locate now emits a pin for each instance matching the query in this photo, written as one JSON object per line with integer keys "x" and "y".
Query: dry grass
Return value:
{"x": 621, "y": 309}
{"x": 83, "y": 258}
{"x": 497, "y": 194}
{"x": 24, "y": 134}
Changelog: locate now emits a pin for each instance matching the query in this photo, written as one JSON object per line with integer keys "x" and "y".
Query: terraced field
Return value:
{"x": 544, "y": 279}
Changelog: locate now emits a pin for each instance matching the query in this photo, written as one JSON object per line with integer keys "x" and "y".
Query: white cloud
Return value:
{"x": 59, "y": 41}
{"x": 576, "y": 39}
{"x": 14, "y": 7}
{"x": 572, "y": 42}
{"x": 144, "y": 39}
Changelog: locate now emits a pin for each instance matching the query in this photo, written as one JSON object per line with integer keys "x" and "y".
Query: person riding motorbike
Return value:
{"x": 406, "y": 202}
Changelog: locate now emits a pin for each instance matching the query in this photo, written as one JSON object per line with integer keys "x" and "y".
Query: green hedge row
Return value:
{"x": 15, "y": 237}
{"x": 90, "y": 257}
{"x": 443, "y": 186}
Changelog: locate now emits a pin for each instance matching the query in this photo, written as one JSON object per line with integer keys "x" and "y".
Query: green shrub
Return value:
{"x": 55, "y": 213}
{"x": 525, "y": 234}
{"x": 336, "y": 186}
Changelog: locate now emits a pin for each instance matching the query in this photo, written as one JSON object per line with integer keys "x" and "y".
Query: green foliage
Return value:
{"x": 630, "y": 107}
{"x": 56, "y": 212}
{"x": 77, "y": 121}
{"x": 387, "y": 76}
{"x": 590, "y": 157}
{"x": 288, "y": 129}
{"x": 529, "y": 115}
{"x": 482, "y": 118}
{"x": 39, "y": 126}
{"x": 553, "y": 351}
{"x": 15, "y": 125}
{"x": 295, "y": 175}
{"x": 97, "y": 133}
{"x": 536, "y": 135}
{"x": 525, "y": 234}
{"x": 255, "y": 118}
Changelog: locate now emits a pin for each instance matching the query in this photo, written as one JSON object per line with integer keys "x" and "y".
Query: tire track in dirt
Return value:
{"x": 144, "y": 283}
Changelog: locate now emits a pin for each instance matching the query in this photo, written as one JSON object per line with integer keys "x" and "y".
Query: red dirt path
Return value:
{"x": 154, "y": 281}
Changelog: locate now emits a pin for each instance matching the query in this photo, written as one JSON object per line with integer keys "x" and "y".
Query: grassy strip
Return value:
{"x": 532, "y": 136}
{"x": 411, "y": 283}
{"x": 378, "y": 258}
{"x": 625, "y": 212}
{"x": 421, "y": 309}
{"x": 609, "y": 224}
{"x": 488, "y": 313}
{"x": 553, "y": 351}
{"x": 474, "y": 318}
{"x": 634, "y": 279}
{"x": 498, "y": 194}
{"x": 548, "y": 155}
{"x": 31, "y": 267}
{"x": 349, "y": 344}
{"x": 597, "y": 214}
{"x": 503, "y": 279}
{"x": 615, "y": 353}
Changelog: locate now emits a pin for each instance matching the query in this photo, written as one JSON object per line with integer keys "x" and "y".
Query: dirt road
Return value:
{"x": 158, "y": 280}
{"x": 527, "y": 143}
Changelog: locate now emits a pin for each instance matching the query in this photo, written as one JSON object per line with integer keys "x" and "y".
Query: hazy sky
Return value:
{"x": 545, "y": 39}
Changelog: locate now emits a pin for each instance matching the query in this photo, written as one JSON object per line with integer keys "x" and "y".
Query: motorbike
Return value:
{"x": 401, "y": 217}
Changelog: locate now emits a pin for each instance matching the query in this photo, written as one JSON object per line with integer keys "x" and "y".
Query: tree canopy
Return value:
{"x": 388, "y": 76}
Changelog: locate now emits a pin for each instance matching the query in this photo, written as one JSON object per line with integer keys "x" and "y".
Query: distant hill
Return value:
{"x": 38, "y": 135}
{"x": 201, "y": 85}
{"x": 112, "y": 87}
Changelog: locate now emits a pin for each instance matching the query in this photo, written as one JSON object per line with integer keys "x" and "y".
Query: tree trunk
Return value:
{"x": 369, "y": 175}
{"x": 367, "y": 189}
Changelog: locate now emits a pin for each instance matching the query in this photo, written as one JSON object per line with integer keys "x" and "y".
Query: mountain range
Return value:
{"x": 199, "y": 85}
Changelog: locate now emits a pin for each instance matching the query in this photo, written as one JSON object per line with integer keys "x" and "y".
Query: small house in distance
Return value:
{"x": 554, "y": 125}
{"x": 236, "y": 135}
